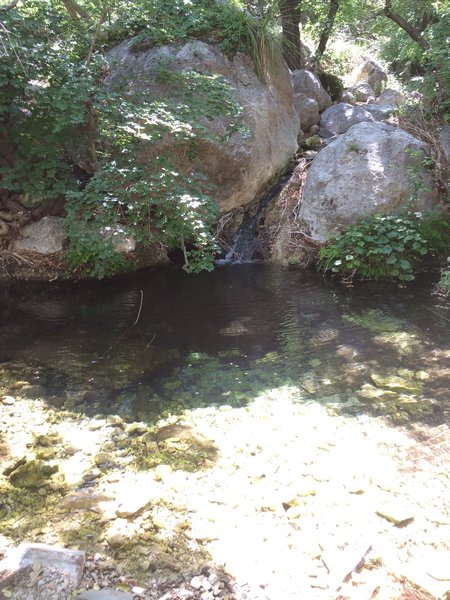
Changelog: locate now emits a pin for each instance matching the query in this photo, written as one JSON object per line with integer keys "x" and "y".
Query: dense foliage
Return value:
{"x": 386, "y": 247}
{"x": 64, "y": 136}
{"x": 58, "y": 121}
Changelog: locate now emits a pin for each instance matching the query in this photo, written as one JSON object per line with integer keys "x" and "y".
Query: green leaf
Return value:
{"x": 406, "y": 265}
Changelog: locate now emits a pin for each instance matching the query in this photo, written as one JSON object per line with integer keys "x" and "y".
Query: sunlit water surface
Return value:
{"x": 163, "y": 341}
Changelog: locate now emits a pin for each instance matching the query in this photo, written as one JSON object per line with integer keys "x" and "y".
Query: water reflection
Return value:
{"x": 164, "y": 340}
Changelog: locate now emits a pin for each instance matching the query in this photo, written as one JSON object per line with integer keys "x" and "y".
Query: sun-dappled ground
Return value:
{"x": 278, "y": 499}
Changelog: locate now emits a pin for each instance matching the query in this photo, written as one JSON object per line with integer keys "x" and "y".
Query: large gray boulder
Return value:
{"x": 241, "y": 167}
{"x": 340, "y": 117}
{"x": 45, "y": 236}
{"x": 368, "y": 170}
{"x": 380, "y": 112}
{"x": 306, "y": 82}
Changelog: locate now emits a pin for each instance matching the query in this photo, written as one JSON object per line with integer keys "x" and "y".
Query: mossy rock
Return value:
{"x": 396, "y": 383}
{"x": 48, "y": 440}
{"x": 32, "y": 474}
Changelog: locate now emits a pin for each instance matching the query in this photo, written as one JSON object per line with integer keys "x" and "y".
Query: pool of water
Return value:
{"x": 163, "y": 341}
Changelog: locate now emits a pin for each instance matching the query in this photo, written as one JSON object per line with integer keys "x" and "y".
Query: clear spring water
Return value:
{"x": 162, "y": 341}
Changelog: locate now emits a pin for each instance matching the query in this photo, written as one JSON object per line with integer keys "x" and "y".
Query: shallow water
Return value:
{"x": 163, "y": 341}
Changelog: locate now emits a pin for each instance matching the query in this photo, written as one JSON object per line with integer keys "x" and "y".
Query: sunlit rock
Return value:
{"x": 340, "y": 117}
{"x": 361, "y": 91}
{"x": 239, "y": 168}
{"x": 45, "y": 236}
{"x": 370, "y": 72}
{"x": 366, "y": 171}
{"x": 306, "y": 82}
{"x": 391, "y": 96}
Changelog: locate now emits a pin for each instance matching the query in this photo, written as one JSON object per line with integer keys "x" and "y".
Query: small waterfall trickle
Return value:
{"x": 246, "y": 243}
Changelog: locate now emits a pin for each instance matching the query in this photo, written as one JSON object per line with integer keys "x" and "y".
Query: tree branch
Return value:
{"x": 75, "y": 10}
{"x": 96, "y": 32}
{"x": 9, "y": 6}
{"x": 404, "y": 24}
{"x": 332, "y": 11}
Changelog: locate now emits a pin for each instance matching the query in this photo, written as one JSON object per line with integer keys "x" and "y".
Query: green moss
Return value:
{"x": 375, "y": 320}
{"x": 32, "y": 474}
{"x": 173, "y": 445}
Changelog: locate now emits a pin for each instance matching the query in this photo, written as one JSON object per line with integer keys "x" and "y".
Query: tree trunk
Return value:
{"x": 75, "y": 10}
{"x": 91, "y": 117}
{"x": 405, "y": 25}
{"x": 333, "y": 7}
{"x": 290, "y": 23}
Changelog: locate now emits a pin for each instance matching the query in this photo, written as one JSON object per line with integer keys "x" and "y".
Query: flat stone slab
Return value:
{"x": 104, "y": 595}
{"x": 27, "y": 556}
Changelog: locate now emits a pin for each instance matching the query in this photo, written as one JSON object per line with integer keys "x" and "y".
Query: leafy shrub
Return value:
{"x": 55, "y": 112}
{"x": 312, "y": 143}
{"x": 385, "y": 247}
{"x": 90, "y": 254}
{"x": 444, "y": 282}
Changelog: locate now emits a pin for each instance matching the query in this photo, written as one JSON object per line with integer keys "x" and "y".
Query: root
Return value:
{"x": 29, "y": 265}
{"x": 289, "y": 203}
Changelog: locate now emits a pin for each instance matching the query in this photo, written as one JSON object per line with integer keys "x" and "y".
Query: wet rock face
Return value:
{"x": 239, "y": 168}
{"x": 365, "y": 171}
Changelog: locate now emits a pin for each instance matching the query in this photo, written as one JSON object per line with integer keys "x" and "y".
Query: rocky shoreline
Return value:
{"x": 283, "y": 498}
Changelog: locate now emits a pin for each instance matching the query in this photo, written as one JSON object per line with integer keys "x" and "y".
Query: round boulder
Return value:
{"x": 45, "y": 236}
{"x": 306, "y": 82}
{"x": 340, "y": 117}
{"x": 307, "y": 109}
{"x": 365, "y": 171}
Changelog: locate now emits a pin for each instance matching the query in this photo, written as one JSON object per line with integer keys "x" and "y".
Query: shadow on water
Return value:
{"x": 164, "y": 341}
